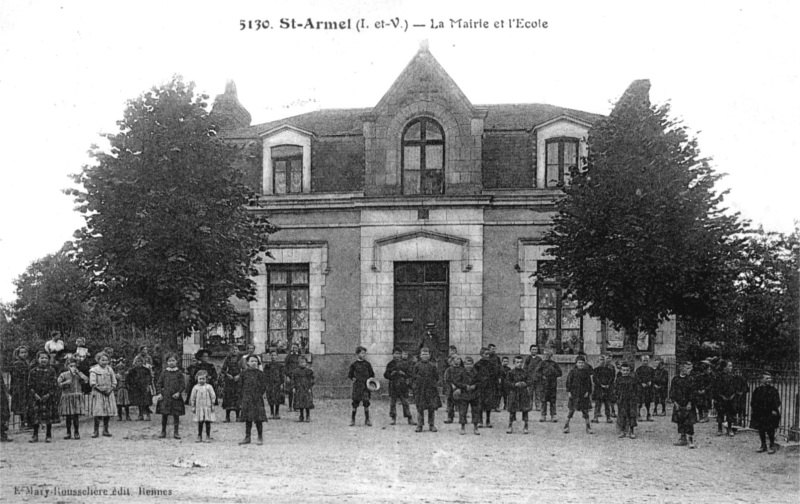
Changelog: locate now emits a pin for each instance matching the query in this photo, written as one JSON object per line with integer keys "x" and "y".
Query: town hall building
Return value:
{"x": 423, "y": 214}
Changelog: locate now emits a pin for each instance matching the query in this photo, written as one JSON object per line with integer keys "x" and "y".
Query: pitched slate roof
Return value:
{"x": 335, "y": 122}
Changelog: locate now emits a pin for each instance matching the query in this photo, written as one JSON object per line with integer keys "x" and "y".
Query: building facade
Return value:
{"x": 420, "y": 217}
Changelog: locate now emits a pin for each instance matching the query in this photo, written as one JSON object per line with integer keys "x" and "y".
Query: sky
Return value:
{"x": 729, "y": 70}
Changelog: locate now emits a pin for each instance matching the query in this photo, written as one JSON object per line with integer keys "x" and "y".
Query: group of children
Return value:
{"x": 42, "y": 392}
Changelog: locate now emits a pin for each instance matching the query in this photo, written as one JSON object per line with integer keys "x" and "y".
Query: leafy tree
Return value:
{"x": 50, "y": 295}
{"x": 168, "y": 239}
{"x": 640, "y": 235}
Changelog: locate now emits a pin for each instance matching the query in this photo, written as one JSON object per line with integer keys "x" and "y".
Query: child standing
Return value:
{"x": 138, "y": 382}
{"x": 660, "y": 386}
{"x": 426, "y": 394}
{"x": 519, "y": 395}
{"x": 602, "y": 394}
{"x": 548, "y": 374}
{"x": 504, "y": 370}
{"x": 103, "y": 403}
{"x": 122, "y": 395}
{"x": 397, "y": 373}
{"x": 254, "y": 386}
{"x": 683, "y": 395}
{"x": 465, "y": 381}
{"x": 360, "y": 371}
{"x": 5, "y": 412}
{"x": 276, "y": 377}
{"x": 20, "y": 369}
{"x": 579, "y": 389}
{"x": 302, "y": 383}
{"x": 43, "y": 387}
{"x": 169, "y": 387}
{"x": 724, "y": 396}
{"x": 454, "y": 363}
{"x": 487, "y": 377}
{"x": 626, "y": 391}
{"x": 71, "y": 404}
{"x": 230, "y": 373}
{"x": 765, "y": 406}
{"x": 202, "y": 400}
{"x": 644, "y": 373}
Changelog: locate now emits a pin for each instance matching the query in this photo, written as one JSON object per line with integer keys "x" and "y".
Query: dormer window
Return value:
{"x": 423, "y": 157}
{"x": 562, "y": 157}
{"x": 287, "y": 169}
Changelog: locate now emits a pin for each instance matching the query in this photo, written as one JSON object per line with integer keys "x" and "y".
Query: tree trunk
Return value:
{"x": 629, "y": 347}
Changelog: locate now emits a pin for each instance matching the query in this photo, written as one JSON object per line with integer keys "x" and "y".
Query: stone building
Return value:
{"x": 421, "y": 213}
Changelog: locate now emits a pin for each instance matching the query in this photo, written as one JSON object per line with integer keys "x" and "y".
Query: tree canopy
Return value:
{"x": 641, "y": 234}
{"x": 168, "y": 239}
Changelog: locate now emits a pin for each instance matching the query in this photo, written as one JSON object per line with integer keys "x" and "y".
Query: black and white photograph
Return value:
{"x": 399, "y": 252}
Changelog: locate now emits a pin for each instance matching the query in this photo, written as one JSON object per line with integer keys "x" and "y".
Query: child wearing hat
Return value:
{"x": 660, "y": 386}
{"x": 579, "y": 389}
{"x": 465, "y": 383}
{"x": 360, "y": 371}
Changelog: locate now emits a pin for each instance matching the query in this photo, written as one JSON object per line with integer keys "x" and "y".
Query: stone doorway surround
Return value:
{"x": 382, "y": 244}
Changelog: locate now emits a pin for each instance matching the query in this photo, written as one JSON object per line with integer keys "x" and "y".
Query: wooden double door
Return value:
{"x": 421, "y": 291}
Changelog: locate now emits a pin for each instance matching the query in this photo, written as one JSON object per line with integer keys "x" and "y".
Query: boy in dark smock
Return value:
{"x": 682, "y": 393}
{"x": 519, "y": 395}
{"x": 426, "y": 393}
{"x": 398, "y": 374}
{"x": 603, "y": 391}
{"x": 765, "y": 412}
{"x": 660, "y": 387}
{"x": 702, "y": 382}
{"x": 724, "y": 397}
{"x": 579, "y": 388}
{"x": 465, "y": 392}
{"x": 360, "y": 371}
{"x": 531, "y": 366}
{"x": 548, "y": 374}
{"x": 626, "y": 391}
{"x": 453, "y": 362}
{"x": 487, "y": 377}
{"x": 644, "y": 374}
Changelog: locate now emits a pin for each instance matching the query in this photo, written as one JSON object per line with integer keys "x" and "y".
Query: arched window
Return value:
{"x": 423, "y": 157}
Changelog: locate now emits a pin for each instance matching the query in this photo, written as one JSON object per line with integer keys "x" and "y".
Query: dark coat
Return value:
{"x": 764, "y": 402}
{"x": 360, "y": 371}
{"x": 517, "y": 383}
{"x": 168, "y": 384}
{"x": 661, "y": 382}
{"x": 426, "y": 393}
{"x": 276, "y": 376}
{"x": 487, "y": 370}
{"x": 548, "y": 374}
{"x": 231, "y": 391}
{"x": 5, "y": 412}
{"x": 253, "y": 387}
{"x": 531, "y": 366}
{"x": 398, "y": 373}
{"x": 20, "y": 369}
{"x": 139, "y": 380}
{"x": 303, "y": 383}
{"x": 467, "y": 382}
{"x": 579, "y": 384}
{"x": 682, "y": 392}
{"x": 603, "y": 383}
{"x": 42, "y": 381}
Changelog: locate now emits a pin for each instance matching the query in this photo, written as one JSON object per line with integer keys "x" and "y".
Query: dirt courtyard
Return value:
{"x": 328, "y": 461}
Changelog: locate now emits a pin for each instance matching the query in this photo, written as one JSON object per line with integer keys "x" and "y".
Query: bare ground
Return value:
{"x": 327, "y": 461}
